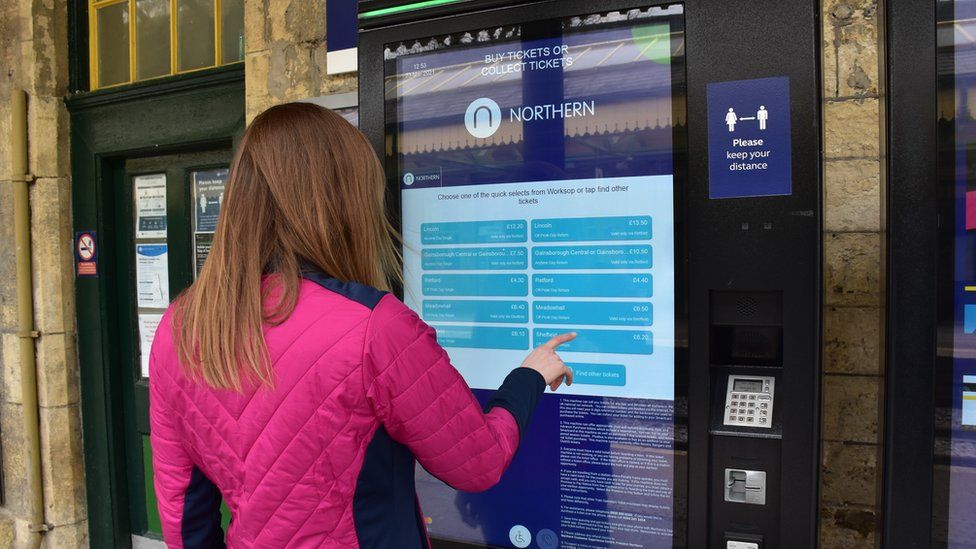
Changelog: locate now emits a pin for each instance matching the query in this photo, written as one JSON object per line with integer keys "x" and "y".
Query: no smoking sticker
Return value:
{"x": 86, "y": 253}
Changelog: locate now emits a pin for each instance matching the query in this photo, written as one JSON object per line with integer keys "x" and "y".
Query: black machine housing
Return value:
{"x": 750, "y": 293}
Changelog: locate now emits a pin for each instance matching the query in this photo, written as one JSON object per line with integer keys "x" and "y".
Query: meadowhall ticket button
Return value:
{"x": 599, "y": 313}
{"x": 598, "y": 374}
{"x": 457, "y": 310}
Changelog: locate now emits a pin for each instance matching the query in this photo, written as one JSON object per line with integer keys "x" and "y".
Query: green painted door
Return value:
{"x": 167, "y": 212}
{"x": 173, "y": 126}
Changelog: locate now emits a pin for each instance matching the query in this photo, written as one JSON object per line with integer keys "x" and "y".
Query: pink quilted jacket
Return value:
{"x": 327, "y": 458}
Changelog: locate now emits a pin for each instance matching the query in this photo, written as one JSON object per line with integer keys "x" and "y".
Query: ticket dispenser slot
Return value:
{"x": 747, "y": 328}
{"x": 742, "y": 541}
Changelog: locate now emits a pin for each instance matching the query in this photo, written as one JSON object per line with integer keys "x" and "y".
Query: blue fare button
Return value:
{"x": 588, "y": 229}
{"x": 637, "y": 256}
{"x": 474, "y": 259}
{"x": 598, "y": 374}
{"x": 624, "y": 342}
{"x": 474, "y": 232}
{"x": 598, "y": 313}
{"x": 483, "y": 337}
{"x": 457, "y": 310}
{"x": 591, "y": 285}
{"x": 480, "y": 285}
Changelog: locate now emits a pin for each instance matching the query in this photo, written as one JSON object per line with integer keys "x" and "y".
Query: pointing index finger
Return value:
{"x": 558, "y": 340}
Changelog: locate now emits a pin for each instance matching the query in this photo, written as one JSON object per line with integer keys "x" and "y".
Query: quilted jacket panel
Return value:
{"x": 287, "y": 460}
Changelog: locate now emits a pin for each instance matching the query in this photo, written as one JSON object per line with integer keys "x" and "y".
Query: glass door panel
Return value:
{"x": 172, "y": 203}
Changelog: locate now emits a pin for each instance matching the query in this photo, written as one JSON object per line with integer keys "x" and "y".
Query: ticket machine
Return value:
{"x": 647, "y": 175}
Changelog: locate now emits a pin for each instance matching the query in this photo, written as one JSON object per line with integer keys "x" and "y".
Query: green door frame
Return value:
{"x": 174, "y": 115}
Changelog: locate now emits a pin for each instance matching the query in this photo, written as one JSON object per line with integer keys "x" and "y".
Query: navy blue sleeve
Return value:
{"x": 201, "y": 514}
{"x": 519, "y": 394}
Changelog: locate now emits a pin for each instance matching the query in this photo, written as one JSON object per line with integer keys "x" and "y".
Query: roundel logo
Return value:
{"x": 483, "y": 118}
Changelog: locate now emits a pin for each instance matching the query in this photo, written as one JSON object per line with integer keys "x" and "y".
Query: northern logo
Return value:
{"x": 483, "y": 118}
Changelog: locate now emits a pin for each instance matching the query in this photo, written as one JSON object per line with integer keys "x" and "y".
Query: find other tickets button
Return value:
{"x": 598, "y": 374}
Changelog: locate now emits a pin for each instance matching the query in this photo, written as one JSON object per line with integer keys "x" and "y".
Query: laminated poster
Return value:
{"x": 201, "y": 249}
{"x": 150, "y": 197}
{"x": 152, "y": 275}
{"x": 208, "y": 196}
{"x": 147, "y": 331}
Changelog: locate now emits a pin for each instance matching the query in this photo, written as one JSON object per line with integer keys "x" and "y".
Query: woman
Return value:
{"x": 287, "y": 381}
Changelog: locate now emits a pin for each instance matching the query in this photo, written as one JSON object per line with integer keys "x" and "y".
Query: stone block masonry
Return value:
{"x": 34, "y": 54}
{"x": 854, "y": 294}
{"x": 285, "y": 54}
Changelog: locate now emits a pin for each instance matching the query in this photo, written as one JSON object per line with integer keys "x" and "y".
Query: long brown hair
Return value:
{"x": 305, "y": 190}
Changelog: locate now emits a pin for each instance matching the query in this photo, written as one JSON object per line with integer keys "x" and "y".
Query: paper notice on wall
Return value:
{"x": 152, "y": 275}
{"x": 208, "y": 197}
{"x": 150, "y": 197}
{"x": 201, "y": 249}
{"x": 147, "y": 331}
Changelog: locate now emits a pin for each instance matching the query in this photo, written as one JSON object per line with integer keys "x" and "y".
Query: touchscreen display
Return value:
{"x": 536, "y": 168}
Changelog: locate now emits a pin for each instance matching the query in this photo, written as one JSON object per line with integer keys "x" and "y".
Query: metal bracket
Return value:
{"x": 44, "y": 527}
{"x": 33, "y": 334}
{"x": 26, "y": 178}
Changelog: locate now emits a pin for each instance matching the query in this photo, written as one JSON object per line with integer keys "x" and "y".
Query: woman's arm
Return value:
{"x": 189, "y": 504}
{"x": 425, "y": 404}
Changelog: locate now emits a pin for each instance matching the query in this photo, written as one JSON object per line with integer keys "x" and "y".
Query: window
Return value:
{"x": 136, "y": 40}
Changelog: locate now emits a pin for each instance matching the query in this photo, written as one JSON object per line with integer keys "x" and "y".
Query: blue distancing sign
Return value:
{"x": 749, "y": 138}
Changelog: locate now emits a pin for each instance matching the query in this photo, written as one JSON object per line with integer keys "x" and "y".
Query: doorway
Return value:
{"x": 142, "y": 160}
{"x": 166, "y": 217}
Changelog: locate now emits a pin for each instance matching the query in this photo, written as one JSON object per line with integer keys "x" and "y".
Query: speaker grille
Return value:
{"x": 747, "y": 307}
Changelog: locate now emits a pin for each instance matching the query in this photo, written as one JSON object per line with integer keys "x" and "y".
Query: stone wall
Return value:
{"x": 285, "y": 54}
{"x": 34, "y": 57}
{"x": 854, "y": 298}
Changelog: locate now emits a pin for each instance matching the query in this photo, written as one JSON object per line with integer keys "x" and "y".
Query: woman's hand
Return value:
{"x": 544, "y": 360}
